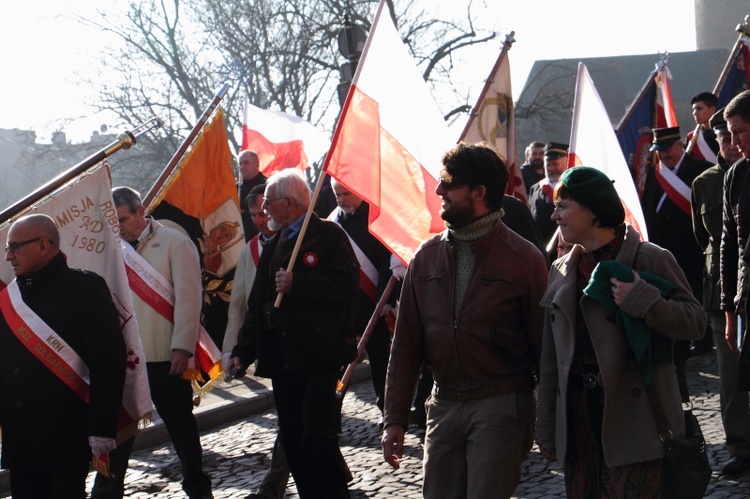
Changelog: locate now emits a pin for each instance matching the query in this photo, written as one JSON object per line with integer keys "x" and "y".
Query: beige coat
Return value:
{"x": 629, "y": 433}
{"x": 175, "y": 257}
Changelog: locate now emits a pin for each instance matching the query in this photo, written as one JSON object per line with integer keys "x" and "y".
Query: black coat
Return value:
{"x": 314, "y": 326}
{"x": 672, "y": 228}
{"x": 43, "y": 421}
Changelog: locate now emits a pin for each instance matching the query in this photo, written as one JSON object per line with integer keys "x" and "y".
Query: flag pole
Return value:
{"x": 172, "y": 164}
{"x": 507, "y": 44}
{"x": 744, "y": 30}
{"x": 341, "y": 385}
{"x": 124, "y": 140}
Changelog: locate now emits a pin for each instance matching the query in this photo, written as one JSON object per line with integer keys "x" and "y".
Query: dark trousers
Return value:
{"x": 173, "y": 399}
{"x": 275, "y": 480}
{"x": 67, "y": 481}
{"x": 378, "y": 350}
{"x": 306, "y": 406}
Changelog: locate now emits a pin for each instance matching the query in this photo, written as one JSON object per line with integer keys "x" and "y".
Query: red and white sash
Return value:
{"x": 368, "y": 273}
{"x": 702, "y": 150}
{"x": 547, "y": 189}
{"x": 43, "y": 342}
{"x": 255, "y": 249}
{"x": 677, "y": 190}
{"x": 151, "y": 287}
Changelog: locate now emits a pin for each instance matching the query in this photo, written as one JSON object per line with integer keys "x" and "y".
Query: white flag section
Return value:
{"x": 89, "y": 237}
{"x": 281, "y": 140}
{"x": 389, "y": 142}
{"x": 593, "y": 143}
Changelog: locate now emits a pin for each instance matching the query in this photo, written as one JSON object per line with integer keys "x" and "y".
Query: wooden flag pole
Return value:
{"x": 177, "y": 157}
{"x": 124, "y": 140}
{"x": 341, "y": 385}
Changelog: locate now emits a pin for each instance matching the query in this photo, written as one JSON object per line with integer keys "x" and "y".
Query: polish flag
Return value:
{"x": 593, "y": 143}
{"x": 389, "y": 141}
{"x": 665, "y": 116}
{"x": 281, "y": 140}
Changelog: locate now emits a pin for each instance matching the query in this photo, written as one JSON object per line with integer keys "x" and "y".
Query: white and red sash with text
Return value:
{"x": 677, "y": 190}
{"x": 50, "y": 349}
{"x": 151, "y": 287}
{"x": 43, "y": 342}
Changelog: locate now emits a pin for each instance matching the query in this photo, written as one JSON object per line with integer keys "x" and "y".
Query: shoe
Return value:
{"x": 735, "y": 465}
{"x": 418, "y": 419}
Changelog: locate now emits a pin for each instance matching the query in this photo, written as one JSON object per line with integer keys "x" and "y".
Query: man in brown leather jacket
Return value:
{"x": 470, "y": 309}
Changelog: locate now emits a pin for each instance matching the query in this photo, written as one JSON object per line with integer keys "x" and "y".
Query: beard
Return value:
{"x": 459, "y": 214}
{"x": 274, "y": 225}
{"x": 537, "y": 164}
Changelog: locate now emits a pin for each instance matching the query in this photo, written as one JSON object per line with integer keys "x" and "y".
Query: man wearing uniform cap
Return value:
{"x": 669, "y": 218}
{"x": 540, "y": 195}
{"x": 707, "y": 224}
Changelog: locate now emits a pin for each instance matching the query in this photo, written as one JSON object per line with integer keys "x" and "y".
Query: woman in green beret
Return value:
{"x": 593, "y": 411}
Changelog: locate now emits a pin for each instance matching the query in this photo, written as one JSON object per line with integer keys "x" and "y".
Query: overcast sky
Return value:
{"x": 44, "y": 52}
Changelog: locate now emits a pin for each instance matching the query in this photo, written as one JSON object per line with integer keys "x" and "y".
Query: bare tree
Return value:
{"x": 282, "y": 54}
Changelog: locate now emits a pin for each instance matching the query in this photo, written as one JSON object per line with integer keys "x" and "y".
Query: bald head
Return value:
{"x": 33, "y": 241}
{"x": 41, "y": 224}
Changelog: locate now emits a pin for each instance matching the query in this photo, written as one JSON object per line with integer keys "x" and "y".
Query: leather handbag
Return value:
{"x": 686, "y": 470}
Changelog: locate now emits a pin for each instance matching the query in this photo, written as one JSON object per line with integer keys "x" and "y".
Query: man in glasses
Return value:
{"x": 62, "y": 366}
{"x": 167, "y": 305}
{"x": 303, "y": 344}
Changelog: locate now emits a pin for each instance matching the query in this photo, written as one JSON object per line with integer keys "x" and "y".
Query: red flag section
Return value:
{"x": 665, "y": 116}
{"x": 389, "y": 141}
{"x": 281, "y": 140}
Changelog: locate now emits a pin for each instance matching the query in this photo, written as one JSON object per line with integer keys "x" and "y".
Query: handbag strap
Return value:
{"x": 665, "y": 434}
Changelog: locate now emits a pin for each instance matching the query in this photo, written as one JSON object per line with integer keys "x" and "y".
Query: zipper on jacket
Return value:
{"x": 458, "y": 354}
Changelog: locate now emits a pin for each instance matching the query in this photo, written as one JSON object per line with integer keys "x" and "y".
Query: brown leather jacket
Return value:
{"x": 493, "y": 347}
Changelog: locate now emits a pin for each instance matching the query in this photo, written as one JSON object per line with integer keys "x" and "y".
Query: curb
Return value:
{"x": 222, "y": 405}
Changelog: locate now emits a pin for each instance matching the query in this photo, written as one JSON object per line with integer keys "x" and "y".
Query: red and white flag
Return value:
{"x": 665, "y": 116}
{"x": 389, "y": 141}
{"x": 85, "y": 215}
{"x": 593, "y": 143}
{"x": 281, "y": 140}
{"x": 492, "y": 120}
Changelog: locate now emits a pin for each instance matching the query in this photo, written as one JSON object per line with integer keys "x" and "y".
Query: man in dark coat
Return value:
{"x": 666, "y": 208}
{"x": 707, "y": 203}
{"x": 666, "y": 203}
{"x": 303, "y": 344}
{"x": 250, "y": 176}
{"x": 62, "y": 366}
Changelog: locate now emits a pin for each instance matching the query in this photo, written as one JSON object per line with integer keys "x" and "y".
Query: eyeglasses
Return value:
{"x": 269, "y": 201}
{"x": 14, "y": 248}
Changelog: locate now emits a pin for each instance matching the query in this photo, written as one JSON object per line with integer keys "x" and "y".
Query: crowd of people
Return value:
{"x": 551, "y": 322}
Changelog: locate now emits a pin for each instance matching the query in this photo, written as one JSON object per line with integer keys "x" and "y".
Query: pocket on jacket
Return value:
{"x": 431, "y": 294}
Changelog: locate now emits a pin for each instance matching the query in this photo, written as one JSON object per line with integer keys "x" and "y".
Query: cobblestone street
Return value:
{"x": 237, "y": 454}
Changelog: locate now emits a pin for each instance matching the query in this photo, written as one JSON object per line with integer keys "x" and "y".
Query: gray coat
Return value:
{"x": 629, "y": 433}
